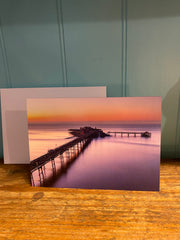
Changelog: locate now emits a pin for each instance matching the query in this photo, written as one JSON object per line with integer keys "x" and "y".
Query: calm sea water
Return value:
{"x": 129, "y": 163}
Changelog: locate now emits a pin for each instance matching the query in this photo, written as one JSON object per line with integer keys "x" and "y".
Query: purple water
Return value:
{"x": 129, "y": 163}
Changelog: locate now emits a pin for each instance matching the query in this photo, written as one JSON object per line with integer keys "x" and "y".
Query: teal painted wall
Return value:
{"x": 93, "y": 39}
{"x": 131, "y": 46}
{"x": 153, "y": 61}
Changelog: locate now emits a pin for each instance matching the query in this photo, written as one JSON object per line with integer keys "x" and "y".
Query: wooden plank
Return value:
{"x": 48, "y": 213}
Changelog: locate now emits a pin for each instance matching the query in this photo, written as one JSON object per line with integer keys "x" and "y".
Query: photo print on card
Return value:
{"x": 95, "y": 143}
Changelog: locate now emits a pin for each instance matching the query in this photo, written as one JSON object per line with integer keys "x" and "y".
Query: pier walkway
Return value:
{"x": 142, "y": 134}
{"x": 66, "y": 152}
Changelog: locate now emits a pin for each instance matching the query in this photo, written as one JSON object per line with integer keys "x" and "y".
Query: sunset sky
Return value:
{"x": 54, "y": 110}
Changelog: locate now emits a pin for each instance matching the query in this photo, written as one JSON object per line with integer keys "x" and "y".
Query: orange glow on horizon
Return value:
{"x": 94, "y": 109}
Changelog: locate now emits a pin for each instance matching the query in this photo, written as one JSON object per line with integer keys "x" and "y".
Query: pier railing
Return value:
{"x": 142, "y": 134}
{"x": 72, "y": 149}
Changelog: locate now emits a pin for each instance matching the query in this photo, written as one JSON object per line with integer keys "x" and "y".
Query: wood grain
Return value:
{"x": 48, "y": 213}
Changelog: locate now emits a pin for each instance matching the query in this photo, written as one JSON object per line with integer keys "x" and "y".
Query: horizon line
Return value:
{"x": 77, "y": 122}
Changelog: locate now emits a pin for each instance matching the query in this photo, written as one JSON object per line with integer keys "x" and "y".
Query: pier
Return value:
{"x": 141, "y": 134}
{"x": 67, "y": 153}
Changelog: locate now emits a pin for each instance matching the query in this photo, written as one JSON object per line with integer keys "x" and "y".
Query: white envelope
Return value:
{"x": 14, "y": 116}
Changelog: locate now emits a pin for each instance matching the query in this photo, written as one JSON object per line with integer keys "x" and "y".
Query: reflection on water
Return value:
{"x": 130, "y": 163}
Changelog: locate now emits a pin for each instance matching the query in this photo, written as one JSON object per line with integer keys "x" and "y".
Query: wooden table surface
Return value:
{"x": 47, "y": 213}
